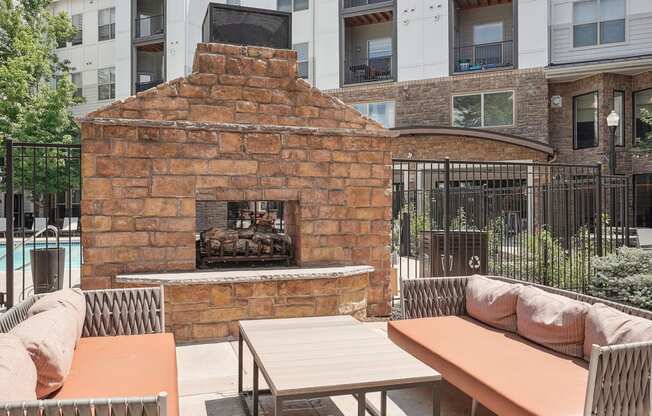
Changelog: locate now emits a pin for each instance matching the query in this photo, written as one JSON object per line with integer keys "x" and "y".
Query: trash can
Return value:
{"x": 48, "y": 269}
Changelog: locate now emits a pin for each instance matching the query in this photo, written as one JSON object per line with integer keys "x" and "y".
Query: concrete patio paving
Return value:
{"x": 208, "y": 385}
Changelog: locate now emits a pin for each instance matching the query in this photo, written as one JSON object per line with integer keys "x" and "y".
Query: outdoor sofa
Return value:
{"x": 537, "y": 351}
{"x": 123, "y": 363}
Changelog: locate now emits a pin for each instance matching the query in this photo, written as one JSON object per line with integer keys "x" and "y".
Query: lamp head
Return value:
{"x": 613, "y": 119}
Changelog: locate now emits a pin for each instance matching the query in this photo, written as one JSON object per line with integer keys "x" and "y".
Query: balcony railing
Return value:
{"x": 150, "y": 26}
{"x": 370, "y": 70}
{"x": 144, "y": 86}
{"x": 359, "y": 3}
{"x": 484, "y": 56}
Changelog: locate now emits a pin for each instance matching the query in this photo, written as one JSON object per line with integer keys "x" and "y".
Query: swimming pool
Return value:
{"x": 73, "y": 254}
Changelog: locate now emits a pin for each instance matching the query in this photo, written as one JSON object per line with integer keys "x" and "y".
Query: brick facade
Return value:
{"x": 429, "y": 102}
{"x": 628, "y": 160}
{"x": 241, "y": 127}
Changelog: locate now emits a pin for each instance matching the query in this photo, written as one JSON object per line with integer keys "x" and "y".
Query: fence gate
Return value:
{"x": 530, "y": 221}
{"x": 41, "y": 202}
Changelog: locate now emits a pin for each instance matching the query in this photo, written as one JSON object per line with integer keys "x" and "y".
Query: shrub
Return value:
{"x": 624, "y": 276}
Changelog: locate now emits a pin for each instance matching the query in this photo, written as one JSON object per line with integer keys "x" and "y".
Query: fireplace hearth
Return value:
{"x": 244, "y": 234}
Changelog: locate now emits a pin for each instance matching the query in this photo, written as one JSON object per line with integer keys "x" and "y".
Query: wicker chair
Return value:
{"x": 108, "y": 313}
{"x": 619, "y": 375}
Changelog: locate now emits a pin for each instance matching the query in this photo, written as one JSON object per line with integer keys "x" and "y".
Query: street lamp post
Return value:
{"x": 613, "y": 119}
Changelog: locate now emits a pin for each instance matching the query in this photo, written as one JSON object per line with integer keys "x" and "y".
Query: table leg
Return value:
{"x": 436, "y": 405}
{"x": 255, "y": 398}
{"x": 383, "y": 403}
{"x": 240, "y": 359}
{"x": 362, "y": 401}
{"x": 278, "y": 406}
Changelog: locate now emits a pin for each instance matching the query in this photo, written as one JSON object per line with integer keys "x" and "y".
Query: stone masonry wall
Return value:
{"x": 429, "y": 102}
{"x": 241, "y": 127}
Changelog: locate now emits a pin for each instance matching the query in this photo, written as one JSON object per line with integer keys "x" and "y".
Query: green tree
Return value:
{"x": 36, "y": 93}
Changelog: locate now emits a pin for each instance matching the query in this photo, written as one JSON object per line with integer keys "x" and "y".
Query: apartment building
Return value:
{"x": 454, "y": 77}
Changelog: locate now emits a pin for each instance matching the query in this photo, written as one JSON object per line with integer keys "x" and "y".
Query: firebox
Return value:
{"x": 245, "y": 233}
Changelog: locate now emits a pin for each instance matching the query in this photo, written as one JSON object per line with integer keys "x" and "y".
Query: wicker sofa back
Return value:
{"x": 618, "y": 375}
{"x": 109, "y": 312}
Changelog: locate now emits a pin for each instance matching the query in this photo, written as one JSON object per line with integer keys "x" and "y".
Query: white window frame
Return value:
{"x": 502, "y": 32}
{"x": 392, "y": 113}
{"x": 482, "y": 94}
{"x": 111, "y": 11}
{"x": 599, "y": 21}
{"x": 307, "y": 60}
{"x": 293, "y": 7}
{"x": 114, "y": 84}
{"x": 80, "y": 29}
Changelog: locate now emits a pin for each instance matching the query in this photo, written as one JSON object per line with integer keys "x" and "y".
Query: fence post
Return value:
{"x": 9, "y": 220}
{"x": 447, "y": 172}
{"x": 598, "y": 207}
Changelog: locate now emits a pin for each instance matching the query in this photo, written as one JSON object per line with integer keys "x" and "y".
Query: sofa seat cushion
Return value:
{"x": 124, "y": 366}
{"x": 506, "y": 373}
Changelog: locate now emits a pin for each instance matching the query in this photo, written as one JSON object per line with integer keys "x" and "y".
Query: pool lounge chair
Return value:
{"x": 70, "y": 225}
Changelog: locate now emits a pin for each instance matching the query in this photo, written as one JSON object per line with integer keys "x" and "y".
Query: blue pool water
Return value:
{"x": 73, "y": 254}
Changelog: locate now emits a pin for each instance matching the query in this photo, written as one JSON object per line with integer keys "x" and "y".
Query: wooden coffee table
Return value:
{"x": 305, "y": 358}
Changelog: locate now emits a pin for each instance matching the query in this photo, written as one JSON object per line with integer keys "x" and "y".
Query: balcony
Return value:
{"x": 150, "y": 66}
{"x": 483, "y": 35}
{"x": 149, "y": 26}
{"x": 368, "y": 46}
{"x": 484, "y": 56}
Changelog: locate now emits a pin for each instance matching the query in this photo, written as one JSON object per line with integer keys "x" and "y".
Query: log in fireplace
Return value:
{"x": 244, "y": 233}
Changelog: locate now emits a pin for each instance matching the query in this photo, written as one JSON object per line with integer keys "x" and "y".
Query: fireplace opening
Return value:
{"x": 245, "y": 233}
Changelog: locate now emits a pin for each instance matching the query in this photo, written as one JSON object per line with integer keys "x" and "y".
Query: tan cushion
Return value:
{"x": 492, "y": 302}
{"x": 17, "y": 371}
{"x": 608, "y": 326}
{"x": 68, "y": 298}
{"x": 124, "y": 366}
{"x": 50, "y": 339}
{"x": 554, "y": 321}
{"x": 504, "y": 372}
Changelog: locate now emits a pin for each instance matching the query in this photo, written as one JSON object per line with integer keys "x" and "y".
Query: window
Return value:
{"x": 585, "y": 116}
{"x": 77, "y": 22}
{"x": 598, "y": 22}
{"x": 619, "y": 107}
{"x": 382, "y": 112}
{"x": 492, "y": 109}
{"x": 303, "y": 59}
{"x": 643, "y": 200}
{"x": 106, "y": 84}
{"x": 379, "y": 55}
{"x": 77, "y": 81}
{"x": 106, "y": 24}
{"x": 488, "y": 33}
{"x": 643, "y": 117}
{"x": 292, "y": 5}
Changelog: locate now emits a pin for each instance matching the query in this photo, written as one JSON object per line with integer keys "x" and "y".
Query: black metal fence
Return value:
{"x": 41, "y": 229}
{"x": 368, "y": 70}
{"x": 531, "y": 221}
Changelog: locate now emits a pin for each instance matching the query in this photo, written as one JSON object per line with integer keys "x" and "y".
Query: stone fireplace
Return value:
{"x": 259, "y": 163}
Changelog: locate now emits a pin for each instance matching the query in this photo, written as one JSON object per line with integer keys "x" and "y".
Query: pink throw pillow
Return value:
{"x": 492, "y": 302}
{"x": 17, "y": 371}
{"x": 67, "y": 298}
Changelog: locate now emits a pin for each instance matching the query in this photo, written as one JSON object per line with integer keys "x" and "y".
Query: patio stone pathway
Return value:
{"x": 208, "y": 377}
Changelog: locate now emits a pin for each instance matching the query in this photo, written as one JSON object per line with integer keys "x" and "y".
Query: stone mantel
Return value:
{"x": 243, "y": 275}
